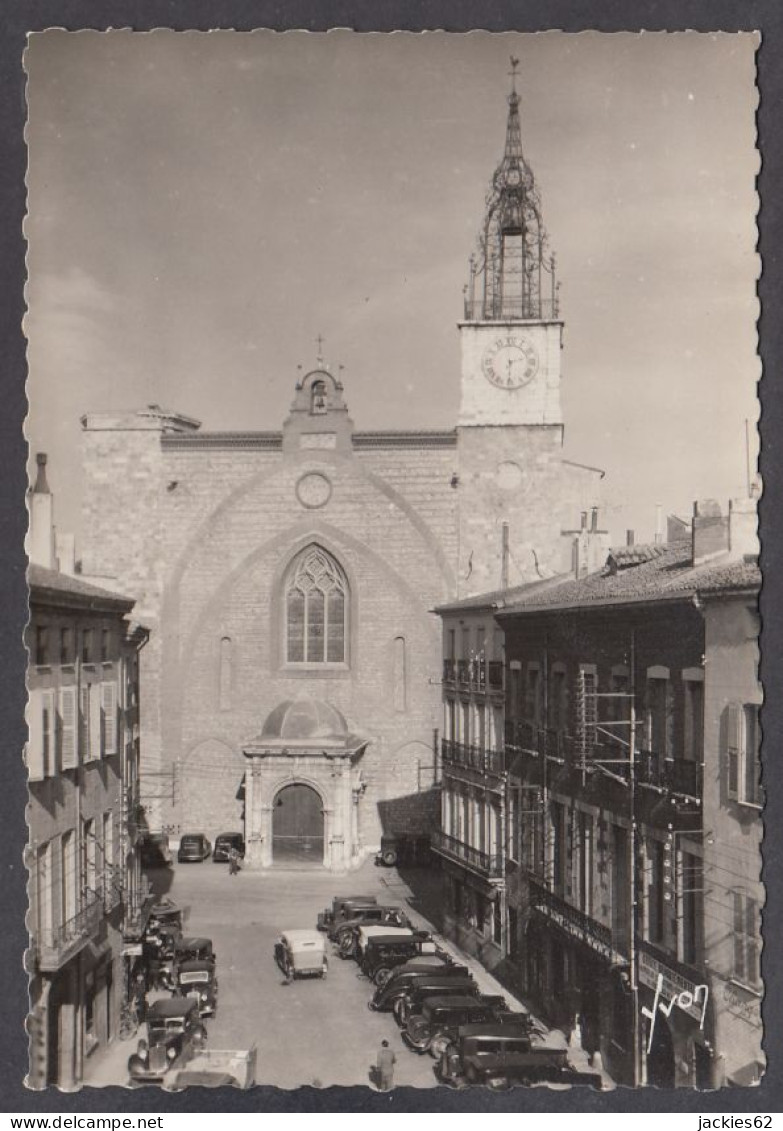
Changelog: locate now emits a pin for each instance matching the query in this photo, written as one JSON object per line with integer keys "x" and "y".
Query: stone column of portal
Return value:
{"x": 253, "y": 843}
{"x": 265, "y": 814}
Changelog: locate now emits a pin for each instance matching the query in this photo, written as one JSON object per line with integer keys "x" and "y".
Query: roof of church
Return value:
{"x": 303, "y": 720}
{"x": 273, "y": 441}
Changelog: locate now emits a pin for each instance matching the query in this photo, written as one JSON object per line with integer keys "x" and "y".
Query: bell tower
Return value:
{"x": 511, "y": 334}
{"x": 514, "y": 490}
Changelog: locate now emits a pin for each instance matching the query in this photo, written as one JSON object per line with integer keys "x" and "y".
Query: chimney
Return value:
{"x": 743, "y": 528}
{"x": 658, "y": 524}
{"x": 710, "y": 531}
{"x": 65, "y": 545}
{"x": 40, "y": 538}
{"x": 590, "y": 546}
{"x": 630, "y": 537}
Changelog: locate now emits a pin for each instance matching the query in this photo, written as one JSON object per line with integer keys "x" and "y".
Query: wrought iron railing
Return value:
{"x": 488, "y": 864}
{"x": 57, "y": 944}
{"x": 522, "y": 736}
{"x": 473, "y": 757}
{"x": 463, "y": 672}
{"x": 672, "y": 774}
{"x": 511, "y": 309}
{"x": 571, "y": 919}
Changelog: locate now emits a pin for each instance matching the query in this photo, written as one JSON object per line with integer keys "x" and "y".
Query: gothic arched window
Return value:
{"x": 316, "y": 609}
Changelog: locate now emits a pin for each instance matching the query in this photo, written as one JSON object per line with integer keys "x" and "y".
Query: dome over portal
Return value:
{"x": 296, "y": 720}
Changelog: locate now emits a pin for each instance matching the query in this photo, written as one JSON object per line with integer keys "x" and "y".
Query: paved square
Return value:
{"x": 317, "y": 1032}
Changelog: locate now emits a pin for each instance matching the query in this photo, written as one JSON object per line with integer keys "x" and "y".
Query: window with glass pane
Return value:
{"x": 316, "y": 610}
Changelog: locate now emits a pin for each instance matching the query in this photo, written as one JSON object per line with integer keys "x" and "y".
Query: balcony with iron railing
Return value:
{"x": 57, "y": 945}
{"x": 450, "y": 671}
{"x": 574, "y": 922}
{"x": 517, "y": 308}
{"x": 488, "y": 865}
{"x": 675, "y": 775}
{"x": 468, "y": 756}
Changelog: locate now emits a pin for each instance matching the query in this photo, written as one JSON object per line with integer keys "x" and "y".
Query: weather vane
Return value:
{"x": 513, "y": 73}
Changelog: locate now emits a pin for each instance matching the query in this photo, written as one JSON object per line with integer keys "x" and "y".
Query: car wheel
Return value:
{"x": 418, "y": 1037}
{"x": 382, "y": 975}
{"x": 400, "y": 1009}
{"x": 389, "y": 857}
{"x": 346, "y": 945}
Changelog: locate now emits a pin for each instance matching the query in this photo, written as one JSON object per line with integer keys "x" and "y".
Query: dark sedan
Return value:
{"x": 193, "y": 848}
{"x": 223, "y": 845}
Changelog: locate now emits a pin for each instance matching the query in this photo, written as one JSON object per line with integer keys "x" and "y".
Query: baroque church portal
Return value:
{"x": 291, "y": 685}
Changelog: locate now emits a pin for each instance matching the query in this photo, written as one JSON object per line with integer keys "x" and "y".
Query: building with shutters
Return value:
{"x": 82, "y": 759}
{"x": 300, "y": 565}
{"x": 634, "y": 804}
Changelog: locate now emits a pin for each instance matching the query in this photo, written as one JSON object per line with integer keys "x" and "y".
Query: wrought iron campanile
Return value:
{"x": 512, "y": 275}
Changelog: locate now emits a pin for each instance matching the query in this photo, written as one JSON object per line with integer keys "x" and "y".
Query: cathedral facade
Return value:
{"x": 292, "y": 677}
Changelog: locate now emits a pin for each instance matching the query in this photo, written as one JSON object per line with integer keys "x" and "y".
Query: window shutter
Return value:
{"x": 733, "y": 736}
{"x": 96, "y": 721}
{"x": 739, "y": 937}
{"x": 49, "y": 734}
{"x": 669, "y": 732}
{"x": 36, "y": 770}
{"x": 109, "y": 712}
{"x": 68, "y": 723}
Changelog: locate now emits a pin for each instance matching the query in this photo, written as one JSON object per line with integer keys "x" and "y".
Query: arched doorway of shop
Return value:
{"x": 660, "y": 1058}
{"x": 297, "y": 826}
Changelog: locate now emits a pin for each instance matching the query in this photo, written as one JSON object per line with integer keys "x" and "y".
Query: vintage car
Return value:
{"x": 343, "y": 907}
{"x": 405, "y": 850}
{"x": 352, "y": 944}
{"x": 165, "y": 914}
{"x": 175, "y": 1032}
{"x": 301, "y": 954}
{"x": 436, "y": 1020}
{"x": 499, "y": 1056}
{"x": 193, "y": 848}
{"x": 216, "y": 1068}
{"x": 196, "y": 978}
{"x": 401, "y": 980}
{"x": 190, "y": 947}
{"x": 383, "y": 953}
{"x": 412, "y": 1001}
{"x": 346, "y": 929}
{"x": 224, "y": 842}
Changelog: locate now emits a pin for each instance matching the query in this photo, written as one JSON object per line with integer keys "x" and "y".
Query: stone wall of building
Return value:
{"x": 515, "y": 475}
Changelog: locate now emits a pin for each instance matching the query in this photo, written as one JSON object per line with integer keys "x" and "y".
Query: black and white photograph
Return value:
{"x": 394, "y": 710}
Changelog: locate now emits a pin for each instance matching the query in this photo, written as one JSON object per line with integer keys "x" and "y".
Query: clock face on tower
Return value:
{"x": 510, "y": 362}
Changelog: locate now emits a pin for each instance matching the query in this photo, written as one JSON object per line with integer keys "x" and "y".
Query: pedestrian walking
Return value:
{"x": 385, "y": 1066}
{"x": 233, "y": 862}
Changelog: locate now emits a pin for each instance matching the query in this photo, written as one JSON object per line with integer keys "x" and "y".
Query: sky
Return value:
{"x": 202, "y": 206}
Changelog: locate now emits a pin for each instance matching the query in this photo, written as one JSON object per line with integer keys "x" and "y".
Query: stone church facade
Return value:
{"x": 292, "y": 677}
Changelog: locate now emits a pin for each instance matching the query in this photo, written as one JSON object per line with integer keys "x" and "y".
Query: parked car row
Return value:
{"x": 185, "y": 966}
{"x": 474, "y": 1038}
{"x": 196, "y": 847}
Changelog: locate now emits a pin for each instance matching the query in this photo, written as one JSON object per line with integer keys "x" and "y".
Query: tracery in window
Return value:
{"x": 316, "y": 604}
